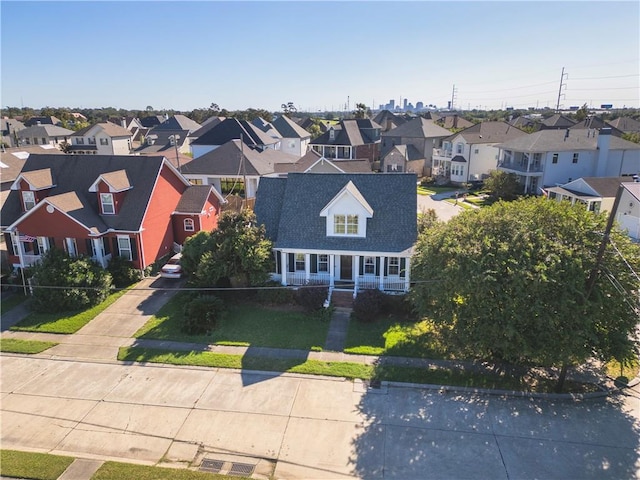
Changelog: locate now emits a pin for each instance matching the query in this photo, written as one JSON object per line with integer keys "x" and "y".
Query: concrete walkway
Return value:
{"x": 338, "y": 329}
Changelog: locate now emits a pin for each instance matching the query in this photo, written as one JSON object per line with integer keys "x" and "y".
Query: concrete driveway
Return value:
{"x": 309, "y": 428}
{"x": 444, "y": 210}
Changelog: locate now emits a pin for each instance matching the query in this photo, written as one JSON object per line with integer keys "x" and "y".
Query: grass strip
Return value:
{"x": 433, "y": 376}
{"x": 65, "y": 322}
{"x": 425, "y": 191}
{"x": 15, "y": 345}
{"x": 126, "y": 471}
{"x": 39, "y": 466}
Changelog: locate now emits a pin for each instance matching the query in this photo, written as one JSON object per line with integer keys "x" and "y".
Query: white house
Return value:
{"x": 101, "y": 139}
{"x": 555, "y": 157}
{"x": 295, "y": 139}
{"x": 628, "y": 212}
{"x": 597, "y": 194}
{"x": 346, "y": 231}
{"x": 472, "y": 153}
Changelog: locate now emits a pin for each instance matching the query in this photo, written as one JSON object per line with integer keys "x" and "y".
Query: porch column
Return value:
{"x": 332, "y": 270}
{"x": 307, "y": 267}
{"x": 407, "y": 272}
{"x": 356, "y": 271}
{"x": 15, "y": 236}
{"x": 381, "y": 272}
{"x": 283, "y": 268}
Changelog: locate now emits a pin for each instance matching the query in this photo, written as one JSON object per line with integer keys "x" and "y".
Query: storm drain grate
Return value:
{"x": 241, "y": 469}
{"x": 213, "y": 466}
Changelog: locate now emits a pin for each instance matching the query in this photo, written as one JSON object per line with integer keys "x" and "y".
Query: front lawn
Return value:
{"x": 64, "y": 322}
{"x": 128, "y": 471}
{"x": 388, "y": 336}
{"x": 245, "y": 325}
{"x": 14, "y": 345}
{"x": 40, "y": 466}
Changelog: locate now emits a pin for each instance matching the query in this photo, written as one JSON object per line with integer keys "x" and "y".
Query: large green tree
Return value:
{"x": 502, "y": 185}
{"x": 510, "y": 283}
{"x": 237, "y": 252}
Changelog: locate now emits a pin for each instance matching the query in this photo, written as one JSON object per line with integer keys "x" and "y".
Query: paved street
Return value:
{"x": 310, "y": 428}
{"x": 444, "y": 210}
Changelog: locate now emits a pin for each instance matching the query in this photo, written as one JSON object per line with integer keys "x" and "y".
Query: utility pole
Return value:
{"x": 562, "y": 77}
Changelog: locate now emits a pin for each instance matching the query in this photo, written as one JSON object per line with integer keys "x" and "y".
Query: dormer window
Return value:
{"x": 92, "y": 141}
{"x": 332, "y": 134}
{"x": 106, "y": 201}
{"x": 104, "y": 141}
{"x": 79, "y": 141}
{"x": 28, "y": 200}
{"x": 345, "y": 224}
{"x": 189, "y": 225}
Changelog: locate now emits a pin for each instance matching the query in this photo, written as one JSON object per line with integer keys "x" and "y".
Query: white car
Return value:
{"x": 172, "y": 269}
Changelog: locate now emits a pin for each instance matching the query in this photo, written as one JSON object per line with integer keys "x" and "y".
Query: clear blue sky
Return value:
{"x": 318, "y": 55}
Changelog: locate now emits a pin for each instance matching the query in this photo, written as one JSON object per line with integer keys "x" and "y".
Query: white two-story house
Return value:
{"x": 101, "y": 139}
{"x": 554, "y": 157}
{"x": 472, "y": 153}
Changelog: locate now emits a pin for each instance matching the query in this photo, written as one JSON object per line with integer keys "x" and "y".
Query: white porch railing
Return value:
{"x": 300, "y": 278}
{"x": 30, "y": 259}
{"x": 388, "y": 283}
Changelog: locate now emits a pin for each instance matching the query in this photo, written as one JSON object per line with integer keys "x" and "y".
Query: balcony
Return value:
{"x": 521, "y": 169}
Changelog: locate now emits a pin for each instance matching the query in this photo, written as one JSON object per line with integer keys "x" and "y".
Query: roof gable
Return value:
{"x": 37, "y": 179}
{"x": 117, "y": 181}
{"x": 348, "y": 192}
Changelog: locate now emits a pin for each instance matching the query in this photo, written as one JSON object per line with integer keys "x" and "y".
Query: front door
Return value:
{"x": 346, "y": 267}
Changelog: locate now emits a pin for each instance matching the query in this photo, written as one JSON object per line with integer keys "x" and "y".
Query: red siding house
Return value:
{"x": 101, "y": 206}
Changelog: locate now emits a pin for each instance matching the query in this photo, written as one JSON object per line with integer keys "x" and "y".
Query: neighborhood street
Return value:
{"x": 76, "y": 399}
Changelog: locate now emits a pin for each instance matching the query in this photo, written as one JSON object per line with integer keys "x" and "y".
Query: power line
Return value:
{"x": 602, "y": 78}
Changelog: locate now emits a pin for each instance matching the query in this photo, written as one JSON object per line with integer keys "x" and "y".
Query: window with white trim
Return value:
{"x": 92, "y": 140}
{"x": 43, "y": 245}
{"x": 300, "y": 262}
{"x": 104, "y": 141}
{"x": 124, "y": 247}
{"x": 106, "y": 202}
{"x": 323, "y": 263}
{"x": 71, "y": 247}
{"x": 345, "y": 224}
{"x": 459, "y": 147}
{"x": 393, "y": 266}
{"x": 79, "y": 141}
{"x": 369, "y": 266}
{"x": 554, "y": 158}
{"x": 28, "y": 199}
{"x": 189, "y": 226}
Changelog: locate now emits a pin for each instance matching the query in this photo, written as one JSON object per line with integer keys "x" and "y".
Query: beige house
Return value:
{"x": 101, "y": 139}
{"x": 596, "y": 193}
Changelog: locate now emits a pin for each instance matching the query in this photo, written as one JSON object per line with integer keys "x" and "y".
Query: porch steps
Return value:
{"x": 342, "y": 299}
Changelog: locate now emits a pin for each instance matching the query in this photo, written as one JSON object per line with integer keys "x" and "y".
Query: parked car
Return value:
{"x": 172, "y": 269}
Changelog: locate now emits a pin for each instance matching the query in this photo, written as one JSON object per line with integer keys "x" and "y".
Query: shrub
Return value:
{"x": 276, "y": 294}
{"x": 398, "y": 305}
{"x": 80, "y": 283}
{"x": 122, "y": 272}
{"x": 201, "y": 314}
{"x": 368, "y": 305}
{"x": 312, "y": 297}
{"x": 427, "y": 181}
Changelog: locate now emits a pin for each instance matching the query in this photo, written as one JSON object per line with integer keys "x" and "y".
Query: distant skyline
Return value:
{"x": 318, "y": 55}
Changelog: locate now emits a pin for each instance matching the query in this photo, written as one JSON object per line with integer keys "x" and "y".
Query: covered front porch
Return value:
{"x": 344, "y": 270}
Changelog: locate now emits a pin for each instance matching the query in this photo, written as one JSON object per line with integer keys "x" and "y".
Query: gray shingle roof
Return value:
{"x": 626, "y": 124}
{"x": 232, "y": 129}
{"x": 349, "y": 132}
{"x": 289, "y": 129}
{"x": 76, "y": 173}
{"x": 44, "y": 131}
{"x": 226, "y": 160}
{"x": 178, "y": 122}
{"x": 418, "y": 128}
{"x": 490, "y": 132}
{"x": 294, "y": 205}
{"x": 194, "y": 199}
{"x": 558, "y": 141}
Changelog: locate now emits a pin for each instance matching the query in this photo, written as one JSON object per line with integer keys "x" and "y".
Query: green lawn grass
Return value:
{"x": 14, "y": 345}
{"x": 433, "y": 376}
{"x": 64, "y": 322}
{"x": 127, "y": 471}
{"x": 425, "y": 191}
{"x": 460, "y": 203}
{"x": 388, "y": 336}
{"x": 243, "y": 325}
{"x": 39, "y": 466}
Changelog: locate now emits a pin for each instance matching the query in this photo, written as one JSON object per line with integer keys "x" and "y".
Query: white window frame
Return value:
{"x": 29, "y": 202}
{"x": 344, "y": 224}
{"x": 369, "y": 266}
{"x": 189, "y": 225}
{"x": 104, "y": 141}
{"x": 71, "y": 246}
{"x": 299, "y": 262}
{"x": 323, "y": 263}
{"x": 393, "y": 263}
{"x": 125, "y": 252}
{"x": 43, "y": 245}
{"x": 104, "y": 204}
{"x": 92, "y": 140}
